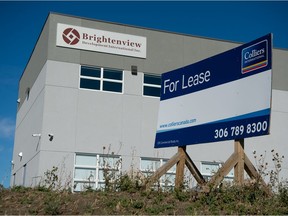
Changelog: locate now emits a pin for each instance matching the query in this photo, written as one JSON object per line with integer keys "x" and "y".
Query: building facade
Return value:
{"x": 89, "y": 99}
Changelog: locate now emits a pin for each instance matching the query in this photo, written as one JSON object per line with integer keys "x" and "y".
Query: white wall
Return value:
{"x": 29, "y": 121}
{"x": 86, "y": 121}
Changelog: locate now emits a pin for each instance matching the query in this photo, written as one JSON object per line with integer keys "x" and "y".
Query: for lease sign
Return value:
{"x": 77, "y": 37}
{"x": 227, "y": 96}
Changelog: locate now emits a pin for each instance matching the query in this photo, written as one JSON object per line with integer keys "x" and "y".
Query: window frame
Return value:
{"x": 162, "y": 181}
{"x": 150, "y": 85}
{"x": 96, "y": 183}
{"x": 101, "y": 79}
{"x": 218, "y": 165}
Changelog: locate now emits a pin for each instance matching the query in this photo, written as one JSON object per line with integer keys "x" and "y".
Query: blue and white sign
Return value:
{"x": 225, "y": 97}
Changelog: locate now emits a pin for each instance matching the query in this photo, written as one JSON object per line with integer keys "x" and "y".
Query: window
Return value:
{"x": 149, "y": 165}
{"x": 91, "y": 170}
{"x": 208, "y": 169}
{"x": 101, "y": 79}
{"x": 151, "y": 85}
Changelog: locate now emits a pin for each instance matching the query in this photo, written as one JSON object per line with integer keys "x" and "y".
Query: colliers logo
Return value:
{"x": 255, "y": 57}
{"x": 71, "y": 36}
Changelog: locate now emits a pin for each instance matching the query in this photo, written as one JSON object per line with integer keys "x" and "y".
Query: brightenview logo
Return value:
{"x": 71, "y": 36}
{"x": 96, "y": 40}
{"x": 108, "y": 40}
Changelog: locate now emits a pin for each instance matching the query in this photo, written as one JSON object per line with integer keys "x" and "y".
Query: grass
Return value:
{"x": 125, "y": 196}
{"x": 230, "y": 200}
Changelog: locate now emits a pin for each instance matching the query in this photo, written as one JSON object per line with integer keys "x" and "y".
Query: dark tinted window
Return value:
{"x": 151, "y": 85}
{"x": 102, "y": 79}
{"x": 112, "y": 86}
{"x": 151, "y": 79}
{"x": 90, "y": 84}
{"x": 151, "y": 91}
{"x": 92, "y": 72}
{"x": 113, "y": 74}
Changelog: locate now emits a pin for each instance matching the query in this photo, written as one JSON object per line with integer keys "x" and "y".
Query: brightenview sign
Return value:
{"x": 77, "y": 37}
{"x": 225, "y": 97}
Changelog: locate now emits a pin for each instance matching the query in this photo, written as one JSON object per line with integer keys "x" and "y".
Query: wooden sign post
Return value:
{"x": 239, "y": 167}
{"x": 180, "y": 166}
{"x": 180, "y": 159}
{"x": 240, "y": 162}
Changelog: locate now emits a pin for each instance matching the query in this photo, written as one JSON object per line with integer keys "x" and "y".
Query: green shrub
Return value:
{"x": 42, "y": 188}
{"x": 128, "y": 183}
{"x": 125, "y": 183}
{"x": 154, "y": 210}
{"x": 52, "y": 204}
{"x": 181, "y": 195}
{"x": 20, "y": 189}
{"x": 51, "y": 178}
{"x": 138, "y": 204}
{"x": 283, "y": 195}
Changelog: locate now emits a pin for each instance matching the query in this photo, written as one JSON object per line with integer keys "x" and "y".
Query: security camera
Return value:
{"x": 51, "y": 136}
{"x": 36, "y": 135}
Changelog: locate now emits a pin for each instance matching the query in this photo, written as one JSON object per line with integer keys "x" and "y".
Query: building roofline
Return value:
{"x": 157, "y": 30}
{"x": 128, "y": 25}
{"x": 44, "y": 24}
{"x": 146, "y": 28}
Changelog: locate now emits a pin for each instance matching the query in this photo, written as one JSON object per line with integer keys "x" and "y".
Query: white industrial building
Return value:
{"x": 89, "y": 98}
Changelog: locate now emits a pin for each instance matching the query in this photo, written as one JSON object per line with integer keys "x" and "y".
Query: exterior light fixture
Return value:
{"x": 51, "y": 136}
{"x": 36, "y": 135}
{"x": 134, "y": 70}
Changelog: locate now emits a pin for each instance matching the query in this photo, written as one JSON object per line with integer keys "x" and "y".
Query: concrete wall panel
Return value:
{"x": 86, "y": 121}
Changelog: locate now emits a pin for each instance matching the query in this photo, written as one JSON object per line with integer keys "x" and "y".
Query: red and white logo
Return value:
{"x": 78, "y": 37}
{"x": 71, "y": 36}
